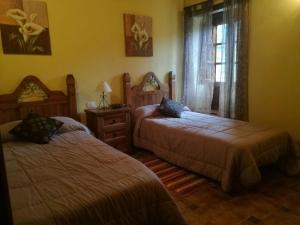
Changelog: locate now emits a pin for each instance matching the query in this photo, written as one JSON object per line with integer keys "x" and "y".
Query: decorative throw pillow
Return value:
{"x": 171, "y": 108}
{"x": 36, "y": 128}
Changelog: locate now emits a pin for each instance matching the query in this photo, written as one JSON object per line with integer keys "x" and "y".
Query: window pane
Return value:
{"x": 220, "y": 73}
{"x": 219, "y": 33}
{"x": 220, "y": 57}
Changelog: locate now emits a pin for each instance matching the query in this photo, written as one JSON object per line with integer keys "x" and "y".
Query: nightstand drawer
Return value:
{"x": 113, "y": 119}
{"x": 114, "y": 134}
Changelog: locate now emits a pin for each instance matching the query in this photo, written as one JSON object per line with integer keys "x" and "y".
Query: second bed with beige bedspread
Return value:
{"x": 226, "y": 150}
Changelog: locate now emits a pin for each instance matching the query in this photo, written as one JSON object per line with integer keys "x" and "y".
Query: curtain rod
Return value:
{"x": 218, "y": 8}
{"x": 200, "y": 2}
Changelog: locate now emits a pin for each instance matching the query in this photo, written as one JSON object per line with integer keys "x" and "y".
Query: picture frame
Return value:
{"x": 138, "y": 35}
{"x": 24, "y": 27}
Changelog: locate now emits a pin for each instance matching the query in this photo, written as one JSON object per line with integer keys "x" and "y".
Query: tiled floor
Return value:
{"x": 276, "y": 201}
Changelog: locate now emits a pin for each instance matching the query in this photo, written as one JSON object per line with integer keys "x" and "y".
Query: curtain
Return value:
{"x": 199, "y": 69}
{"x": 233, "y": 98}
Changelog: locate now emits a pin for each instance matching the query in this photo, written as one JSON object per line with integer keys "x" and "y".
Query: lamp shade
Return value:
{"x": 106, "y": 87}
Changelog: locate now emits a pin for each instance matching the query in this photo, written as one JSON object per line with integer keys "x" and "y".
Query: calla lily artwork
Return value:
{"x": 24, "y": 27}
{"x": 138, "y": 35}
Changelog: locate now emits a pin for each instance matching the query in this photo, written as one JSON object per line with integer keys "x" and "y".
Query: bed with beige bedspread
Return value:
{"x": 229, "y": 151}
{"x": 77, "y": 179}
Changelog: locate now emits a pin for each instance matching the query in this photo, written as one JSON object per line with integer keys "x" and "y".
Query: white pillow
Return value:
{"x": 70, "y": 125}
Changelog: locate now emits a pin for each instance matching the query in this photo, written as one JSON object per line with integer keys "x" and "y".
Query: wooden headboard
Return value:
{"x": 34, "y": 96}
{"x": 149, "y": 91}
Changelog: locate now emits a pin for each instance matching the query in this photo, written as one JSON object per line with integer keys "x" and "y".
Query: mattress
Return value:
{"x": 228, "y": 151}
{"x": 77, "y": 179}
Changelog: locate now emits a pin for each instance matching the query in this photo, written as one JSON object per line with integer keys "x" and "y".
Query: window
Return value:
{"x": 219, "y": 56}
{"x": 219, "y": 30}
{"x": 219, "y": 49}
{"x": 215, "y": 59}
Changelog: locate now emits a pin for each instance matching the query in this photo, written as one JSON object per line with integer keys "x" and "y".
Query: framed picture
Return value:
{"x": 138, "y": 35}
{"x": 24, "y": 27}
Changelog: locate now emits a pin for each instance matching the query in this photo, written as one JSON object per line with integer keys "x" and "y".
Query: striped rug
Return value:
{"x": 177, "y": 180}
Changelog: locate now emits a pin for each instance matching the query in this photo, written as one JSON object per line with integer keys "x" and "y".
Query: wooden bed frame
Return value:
{"x": 17, "y": 105}
{"x": 136, "y": 96}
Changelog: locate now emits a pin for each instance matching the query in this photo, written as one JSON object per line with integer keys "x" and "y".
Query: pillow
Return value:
{"x": 170, "y": 108}
{"x": 36, "y": 128}
{"x": 5, "y": 128}
{"x": 70, "y": 125}
{"x": 146, "y": 111}
{"x": 186, "y": 108}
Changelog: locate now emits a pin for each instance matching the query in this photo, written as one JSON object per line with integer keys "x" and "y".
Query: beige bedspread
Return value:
{"x": 228, "y": 151}
{"x": 77, "y": 179}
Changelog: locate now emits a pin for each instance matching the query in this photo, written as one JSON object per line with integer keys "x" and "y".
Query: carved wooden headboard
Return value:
{"x": 34, "y": 96}
{"x": 149, "y": 91}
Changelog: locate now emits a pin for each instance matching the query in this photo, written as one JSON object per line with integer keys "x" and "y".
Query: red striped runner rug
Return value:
{"x": 177, "y": 180}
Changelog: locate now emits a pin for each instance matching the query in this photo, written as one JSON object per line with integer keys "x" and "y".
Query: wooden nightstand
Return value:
{"x": 112, "y": 126}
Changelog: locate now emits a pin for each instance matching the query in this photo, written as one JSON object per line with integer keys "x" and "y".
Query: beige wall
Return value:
{"x": 274, "y": 70}
{"x": 87, "y": 40}
{"x": 274, "y": 74}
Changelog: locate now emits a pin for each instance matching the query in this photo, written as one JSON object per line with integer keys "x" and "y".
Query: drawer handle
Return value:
{"x": 113, "y": 121}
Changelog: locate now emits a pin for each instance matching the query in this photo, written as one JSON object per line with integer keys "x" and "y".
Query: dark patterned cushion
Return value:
{"x": 36, "y": 128}
{"x": 170, "y": 108}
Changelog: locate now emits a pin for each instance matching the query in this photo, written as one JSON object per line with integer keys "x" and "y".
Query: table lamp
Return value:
{"x": 105, "y": 88}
